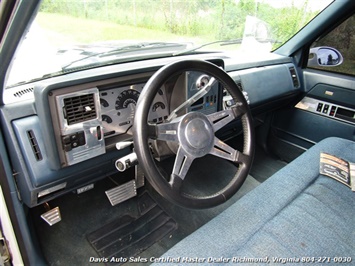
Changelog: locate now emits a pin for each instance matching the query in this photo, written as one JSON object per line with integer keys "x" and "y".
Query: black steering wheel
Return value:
{"x": 195, "y": 134}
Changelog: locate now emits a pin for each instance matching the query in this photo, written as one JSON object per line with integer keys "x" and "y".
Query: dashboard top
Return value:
{"x": 23, "y": 92}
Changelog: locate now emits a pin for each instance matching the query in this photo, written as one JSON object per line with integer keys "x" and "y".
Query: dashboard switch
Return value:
{"x": 332, "y": 110}
{"x": 319, "y": 107}
{"x": 326, "y": 108}
{"x": 67, "y": 147}
{"x": 74, "y": 144}
{"x": 66, "y": 140}
{"x": 73, "y": 141}
{"x": 81, "y": 139}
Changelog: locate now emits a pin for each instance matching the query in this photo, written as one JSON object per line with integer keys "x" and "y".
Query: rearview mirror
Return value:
{"x": 324, "y": 56}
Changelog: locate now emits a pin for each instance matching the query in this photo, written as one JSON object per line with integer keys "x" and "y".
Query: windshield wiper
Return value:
{"x": 128, "y": 48}
{"x": 223, "y": 43}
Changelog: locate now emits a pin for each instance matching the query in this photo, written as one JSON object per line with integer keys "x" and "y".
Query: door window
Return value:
{"x": 341, "y": 39}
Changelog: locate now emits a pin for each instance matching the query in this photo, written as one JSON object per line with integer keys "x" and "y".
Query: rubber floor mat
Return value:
{"x": 124, "y": 238}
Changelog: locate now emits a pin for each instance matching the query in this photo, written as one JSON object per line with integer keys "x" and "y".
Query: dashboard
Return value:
{"x": 62, "y": 132}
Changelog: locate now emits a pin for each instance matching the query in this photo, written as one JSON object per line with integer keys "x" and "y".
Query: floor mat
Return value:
{"x": 66, "y": 243}
{"x": 265, "y": 165}
{"x": 127, "y": 236}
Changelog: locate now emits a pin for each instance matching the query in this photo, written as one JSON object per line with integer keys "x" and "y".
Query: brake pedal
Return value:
{"x": 52, "y": 216}
{"x": 122, "y": 193}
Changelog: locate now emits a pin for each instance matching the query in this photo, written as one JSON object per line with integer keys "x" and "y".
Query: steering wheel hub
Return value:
{"x": 196, "y": 134}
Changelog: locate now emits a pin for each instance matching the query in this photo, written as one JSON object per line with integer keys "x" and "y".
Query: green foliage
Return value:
{"x": 229, "y": 20}
{"x": 341, "y": 38}
{"x": 213, "y": 19}
{"x": 62, "y": 32}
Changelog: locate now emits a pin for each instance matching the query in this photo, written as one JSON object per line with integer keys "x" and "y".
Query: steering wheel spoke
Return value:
{"x": 182, "y": 163}
{"x": 193, "y": 99}
{"x": 166, "y": 131}
{"x": 225, "y": 151}
{"x": 220, "y": 119}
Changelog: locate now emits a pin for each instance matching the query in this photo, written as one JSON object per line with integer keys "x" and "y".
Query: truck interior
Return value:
{"x": 176, "y": 155}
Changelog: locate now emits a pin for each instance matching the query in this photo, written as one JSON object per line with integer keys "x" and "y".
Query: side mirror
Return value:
{"x": 324, "y": 56}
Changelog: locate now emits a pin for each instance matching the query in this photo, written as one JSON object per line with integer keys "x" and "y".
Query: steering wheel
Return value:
{"x": 195, "y": 134}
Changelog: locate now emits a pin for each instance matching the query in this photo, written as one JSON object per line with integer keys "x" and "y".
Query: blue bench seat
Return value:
{"x": 296, "y": 214}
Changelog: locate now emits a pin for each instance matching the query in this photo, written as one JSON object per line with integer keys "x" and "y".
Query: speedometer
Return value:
{"x": 126, "y": 98}
{"x": 118, "y": 107}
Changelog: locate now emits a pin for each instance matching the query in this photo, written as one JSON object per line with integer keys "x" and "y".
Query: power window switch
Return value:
{"x": 326, "y": 108}
{"x": 332, "y": 111}
{"x": 319, "y": 107}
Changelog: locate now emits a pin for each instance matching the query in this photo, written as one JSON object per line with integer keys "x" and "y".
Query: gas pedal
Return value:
{"x": 122, "y": 193}
{"x": 52, "y": 216}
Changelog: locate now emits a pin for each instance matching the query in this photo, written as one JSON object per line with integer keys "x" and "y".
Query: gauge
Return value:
{"x": 103, "y": 103}
{"x": 202, "y": 81}
{"x": 158, "y": 105}
{"x": 107, "y": 119}
{"x": 126, "y": 98}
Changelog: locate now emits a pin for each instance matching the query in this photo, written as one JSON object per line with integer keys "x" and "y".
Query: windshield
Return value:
{"x": 70, "y": 35}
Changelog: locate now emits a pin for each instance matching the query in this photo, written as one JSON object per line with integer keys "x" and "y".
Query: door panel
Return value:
{"x": 327, "y": 110}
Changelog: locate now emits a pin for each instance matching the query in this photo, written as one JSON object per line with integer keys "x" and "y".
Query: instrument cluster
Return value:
{"x": 118, "y": 107}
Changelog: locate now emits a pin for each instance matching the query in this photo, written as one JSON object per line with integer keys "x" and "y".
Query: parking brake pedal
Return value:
{"x": 52, "y": 216}
{"x": 121, "y": 193}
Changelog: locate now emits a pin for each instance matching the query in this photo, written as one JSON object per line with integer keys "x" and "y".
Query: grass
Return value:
{"x": 64, "y": 30}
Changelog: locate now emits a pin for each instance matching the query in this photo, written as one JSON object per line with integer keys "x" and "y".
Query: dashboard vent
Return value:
{"x": 34, "y": 145}
{"x": 23, "y": 92}
{"x": 79, "y": 108}
{"x": 294, "y": 77}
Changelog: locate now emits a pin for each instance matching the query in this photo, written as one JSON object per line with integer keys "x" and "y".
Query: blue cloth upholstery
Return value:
{"x": 296, "y": 214}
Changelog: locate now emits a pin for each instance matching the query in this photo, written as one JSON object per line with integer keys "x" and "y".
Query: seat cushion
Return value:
{"x": 295, "y": 213}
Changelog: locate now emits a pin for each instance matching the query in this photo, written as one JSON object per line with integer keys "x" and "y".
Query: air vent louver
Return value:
{"x": 294, "y": 77}
{"x": 79, "y": 108}
{"x": 34, "y": 145}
